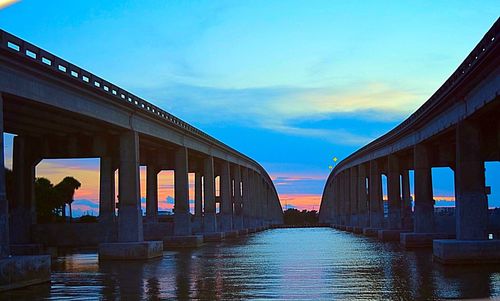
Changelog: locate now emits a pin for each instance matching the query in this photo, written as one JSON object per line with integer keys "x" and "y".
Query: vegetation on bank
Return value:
{"x": 296, "y": 217}
{"x": 50, "y": 200}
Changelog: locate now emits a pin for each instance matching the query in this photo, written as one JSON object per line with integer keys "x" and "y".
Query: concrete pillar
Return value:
{"x": 182, "y": 217}
{"x": 129, "y": 213}
{"x": 4, "y": 207}
{"x": 347, "y": 196}
{"x": 198, "y": 203}
{"x": 394, "y": 193}
{"x": 238, "y": 199}
{"x": 471, "y": 202}
{"x": 406, "y": 213}
{"x": 245, "y": 196}
{"x": 362, "y": 197}
{"x": 152, "y": 193}
{"x": 209, "y": 217}
{"x": 424, "y": 202}
{"x": 106, "y": 191}
{"x": 23, "y": 211}
{"x": 353, "y": 185}
{"x": 375, "y": 191}
{"x": 225, "y": 196}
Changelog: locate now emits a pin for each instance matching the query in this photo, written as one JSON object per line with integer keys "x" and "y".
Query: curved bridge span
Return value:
{"x": 59, "y": 110}
{"x": 458, "y": 127}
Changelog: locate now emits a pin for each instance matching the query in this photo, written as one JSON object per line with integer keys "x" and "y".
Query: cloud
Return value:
{"x": 284, "y": 109}
{"x": 300, "y": 201}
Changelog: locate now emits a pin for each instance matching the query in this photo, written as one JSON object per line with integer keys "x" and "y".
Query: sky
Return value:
{"x": 292, "y": 84}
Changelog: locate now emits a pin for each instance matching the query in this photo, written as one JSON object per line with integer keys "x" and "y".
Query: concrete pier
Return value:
{"x": 131, "y": 244}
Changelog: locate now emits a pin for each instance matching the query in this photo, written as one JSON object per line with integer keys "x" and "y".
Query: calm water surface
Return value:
{"x": 303, "y": 264}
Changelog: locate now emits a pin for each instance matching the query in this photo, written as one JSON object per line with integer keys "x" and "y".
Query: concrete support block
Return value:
{"x": 32, "y": 249}
{"x": 213, "y": 237}
{"x": 130, "y": 250}
{"x": 243, "y": 232}
{"x": 231, "y": 234}
{"x": 390, "y": 235}
{"x": 209, "y": 223}
{"x": 188, "y": 241}
{"x": 371, "y": 232}
{"x": 357, "y": 230}
{"x": 453, "y": 251}
{"x": 421, "y": 240}
{"x": 21, "y": 271}
{"x": 348, "y": 228}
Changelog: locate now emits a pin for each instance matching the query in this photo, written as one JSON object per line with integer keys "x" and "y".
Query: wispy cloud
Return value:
{"x": 284, "y": 109}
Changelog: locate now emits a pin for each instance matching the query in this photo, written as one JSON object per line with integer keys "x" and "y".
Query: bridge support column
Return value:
{"x": 353, "y": 197}
{"x": 246, "y": 210}
{"x": 198, "y": 204}
{"x": 209, "y": 218}
{"x": 131, "y": 244}
{"x": 17, "y": 271}
{"x": 152, "y": 193}
{"x": 107, "y": 215}
{"x": 423, "y": 226}
{"x": 472, "y": 244}
{"x": 393, "y": 230}
{"x": 375, "y": 205}
{"x": 238, "y": 199}
{"x": 406, "y": 212}
{"x": 23, "y": 213}
{"x": 362, "y": 199}
{"x": 225, "y": 197}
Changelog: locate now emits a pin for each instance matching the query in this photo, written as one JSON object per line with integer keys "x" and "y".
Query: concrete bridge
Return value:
{"x": 59, "y": 110}
{"x": 458, "y": 127}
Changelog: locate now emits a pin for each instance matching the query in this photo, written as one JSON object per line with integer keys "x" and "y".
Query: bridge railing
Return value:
{"x": 482, "y": 49}
{"x": 54, "y": 64}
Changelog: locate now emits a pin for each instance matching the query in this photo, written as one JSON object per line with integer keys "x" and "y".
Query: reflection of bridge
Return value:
{"x": 58, "y": 110}
{"x": 457, "y": 127}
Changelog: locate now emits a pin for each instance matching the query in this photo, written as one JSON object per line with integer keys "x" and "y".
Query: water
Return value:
{"x": 302, "y": 264}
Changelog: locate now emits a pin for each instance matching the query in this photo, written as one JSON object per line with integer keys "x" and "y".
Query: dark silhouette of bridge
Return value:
{"x": 458, "y": 127}
{"x": 59, "y": 110}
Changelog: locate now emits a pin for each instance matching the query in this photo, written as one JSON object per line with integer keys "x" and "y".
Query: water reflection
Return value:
{"x": 317, "y": 263}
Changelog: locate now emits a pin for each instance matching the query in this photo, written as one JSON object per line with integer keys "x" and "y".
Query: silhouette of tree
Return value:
{"x": 45, "y": 199}
{"x": 64, "y": 192}
{"x": 295, "y": 217}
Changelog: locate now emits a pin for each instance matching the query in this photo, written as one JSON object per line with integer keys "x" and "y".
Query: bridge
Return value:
{"x": 458, "y": 128}
{"x": 56, "y": 109}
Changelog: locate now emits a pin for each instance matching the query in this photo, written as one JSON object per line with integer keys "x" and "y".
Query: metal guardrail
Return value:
{"x": 57, "y": 65}
{"x": 488, "y": 42}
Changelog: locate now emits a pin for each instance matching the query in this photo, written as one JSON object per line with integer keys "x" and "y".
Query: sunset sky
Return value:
{"x": 291, "y": 84}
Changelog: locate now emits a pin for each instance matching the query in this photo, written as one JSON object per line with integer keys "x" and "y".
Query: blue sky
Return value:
{"x": 289, "y": 83}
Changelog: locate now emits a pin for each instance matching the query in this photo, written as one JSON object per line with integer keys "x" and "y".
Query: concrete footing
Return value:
{"x": 452, "y": 251}
{"x": 231, "y": 234}
{"x": 213, "y": 237}
{"x": 421, "y": 240}
{"x": 21, "y": 271}
{"x": 357, "y": 230}
{"x": 32, "y": 249}
{"x": 371, "y": 232}
{"x": 187, "y": 241}
{"x": 348, "y": 228}
{"x": 130, "y": 250}
{"x": 390, "y": 235}
{"x": 341, "y": 227}
{"x": 243, "y": 232}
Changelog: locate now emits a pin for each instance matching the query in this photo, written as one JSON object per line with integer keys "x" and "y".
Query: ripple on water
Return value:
{"x": 298, "y": 263}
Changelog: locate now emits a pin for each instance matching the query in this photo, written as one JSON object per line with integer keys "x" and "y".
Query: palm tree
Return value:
{"x": 45, "y": 199}
{"x": 65, "y": 192}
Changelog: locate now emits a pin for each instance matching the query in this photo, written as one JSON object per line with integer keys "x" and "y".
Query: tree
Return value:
{"x": 45, "y": 199}
{"x": 64, "y": 193}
